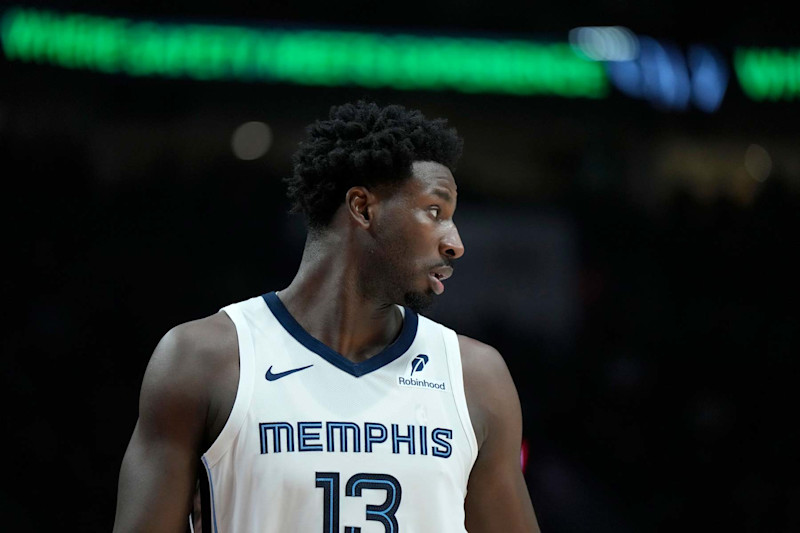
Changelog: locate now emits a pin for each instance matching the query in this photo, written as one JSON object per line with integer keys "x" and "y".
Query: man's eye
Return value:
{"x": 435, "y": 210}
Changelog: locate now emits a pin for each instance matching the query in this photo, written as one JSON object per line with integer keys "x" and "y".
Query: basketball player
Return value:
{"x": 332, "y": 405}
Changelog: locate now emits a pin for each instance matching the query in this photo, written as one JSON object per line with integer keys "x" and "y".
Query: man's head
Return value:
{"x": 363, "y": 144}
{"x": 384, "y": 176}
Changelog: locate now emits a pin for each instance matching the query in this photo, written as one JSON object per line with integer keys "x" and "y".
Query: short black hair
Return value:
{"x": 363, "y": 144}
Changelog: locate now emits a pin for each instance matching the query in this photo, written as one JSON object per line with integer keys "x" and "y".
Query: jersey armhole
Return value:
{"x": 459, "y": 396}
{"x": 244, "y": 389}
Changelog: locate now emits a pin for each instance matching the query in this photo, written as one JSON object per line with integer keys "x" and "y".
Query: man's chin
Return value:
{"x": 418, "y": 301}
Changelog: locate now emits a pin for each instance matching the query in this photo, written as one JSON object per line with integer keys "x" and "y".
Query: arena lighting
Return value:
{"x": 768, "y": 73}
{"x": 605, "y": 43}
{"x": 523, "y": 455}
{"x": 757, "y": 162}
{"x": 671, "y": 79}
{"x": 251, "y": 140}
{"x": 308, "y": 57}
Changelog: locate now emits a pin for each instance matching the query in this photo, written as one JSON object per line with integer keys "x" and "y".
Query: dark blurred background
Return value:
{"x": 634, "y": 262}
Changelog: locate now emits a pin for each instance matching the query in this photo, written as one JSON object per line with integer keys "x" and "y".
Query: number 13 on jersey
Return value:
{"x": 383, "y": 513}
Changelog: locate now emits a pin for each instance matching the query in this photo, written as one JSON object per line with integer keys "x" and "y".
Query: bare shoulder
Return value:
{"x": 189, "y": 383}
{"x": 194, "y": 349}
{"x": 194, "y": 371}
{"x": 483, "y": 362}
{"x": 489, "y": 388}
{"x": 475, "y": 353}
{"x": 208, "y": 337}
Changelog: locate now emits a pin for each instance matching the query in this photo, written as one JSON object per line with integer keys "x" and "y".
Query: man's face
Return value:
{"x": 415, "y": 238}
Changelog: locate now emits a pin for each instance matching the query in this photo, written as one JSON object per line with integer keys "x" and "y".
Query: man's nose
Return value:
{"x": 451, "y": 245}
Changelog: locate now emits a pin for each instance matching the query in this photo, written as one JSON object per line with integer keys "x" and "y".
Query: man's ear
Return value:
{"x": 360, "y": 203}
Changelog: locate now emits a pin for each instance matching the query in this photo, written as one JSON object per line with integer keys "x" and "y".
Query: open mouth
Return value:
{"x": 437, "y": 276}
{"x": 441, "y": 273}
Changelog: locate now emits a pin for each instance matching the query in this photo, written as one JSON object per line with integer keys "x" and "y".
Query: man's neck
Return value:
{"x": 325, "y": 299}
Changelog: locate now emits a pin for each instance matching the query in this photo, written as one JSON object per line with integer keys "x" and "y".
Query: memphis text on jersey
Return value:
{"x": 352, "y": 437}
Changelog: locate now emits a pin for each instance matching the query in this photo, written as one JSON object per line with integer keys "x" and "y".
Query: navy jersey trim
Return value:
{"x": 208, "y": 502}
{"x": 389, "y": 354}
{"x": 204, "y": 485}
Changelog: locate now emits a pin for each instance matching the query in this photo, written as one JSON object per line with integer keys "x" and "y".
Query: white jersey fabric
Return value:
{"x": 318, "y": 444}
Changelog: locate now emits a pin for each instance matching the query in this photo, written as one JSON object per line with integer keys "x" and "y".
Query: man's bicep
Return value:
{"x": 160, "y": 465}
{"x": 155, "y": 486}
{"x": 497, "y": 496}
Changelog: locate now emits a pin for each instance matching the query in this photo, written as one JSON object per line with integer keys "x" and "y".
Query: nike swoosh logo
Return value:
{"x": 272, "y": 377}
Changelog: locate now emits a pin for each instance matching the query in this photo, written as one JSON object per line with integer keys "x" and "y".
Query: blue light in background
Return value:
{"x": 662, "y": 75}
{"x": 709, "y": 77}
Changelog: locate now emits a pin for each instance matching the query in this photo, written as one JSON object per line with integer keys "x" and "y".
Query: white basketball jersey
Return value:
{"x": 318, "y": 444}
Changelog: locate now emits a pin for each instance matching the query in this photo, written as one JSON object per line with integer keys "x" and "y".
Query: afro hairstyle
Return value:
{"x": 363, "y": 144}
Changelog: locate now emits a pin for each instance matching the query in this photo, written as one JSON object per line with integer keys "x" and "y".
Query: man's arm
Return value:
{"x": 497, "y": 496}
{"x": 176, "y": 409}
